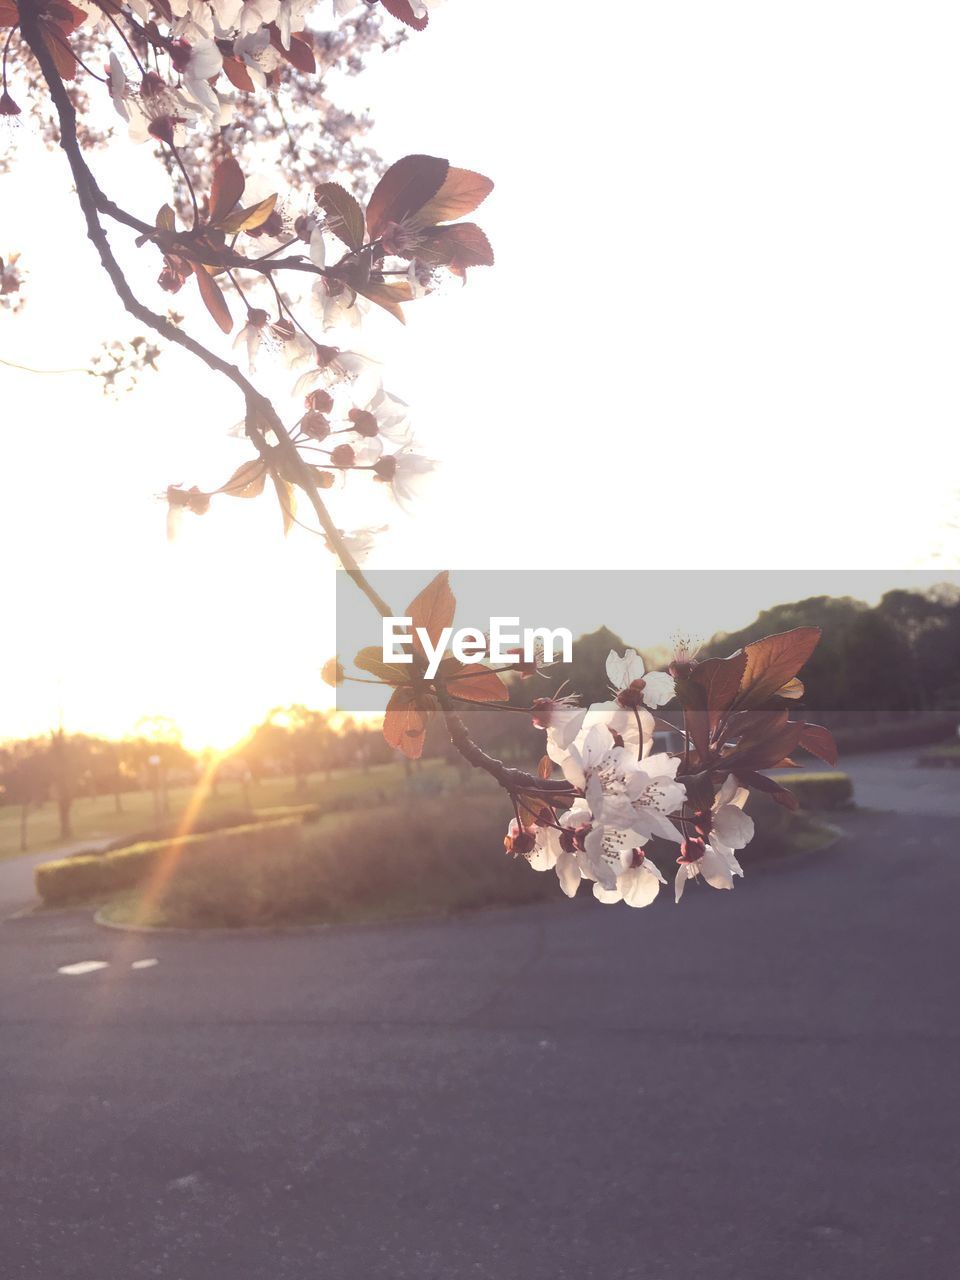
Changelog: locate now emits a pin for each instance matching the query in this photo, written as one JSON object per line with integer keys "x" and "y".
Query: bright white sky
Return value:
{"x": 722, "y": 332}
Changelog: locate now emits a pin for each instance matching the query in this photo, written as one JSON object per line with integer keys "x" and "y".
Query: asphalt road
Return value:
{"x": 754, "y": 1084}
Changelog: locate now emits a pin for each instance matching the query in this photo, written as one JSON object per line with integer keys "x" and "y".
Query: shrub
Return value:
{"x": 98, "y": 876}
{"x": 820, "y": 790}
{"x": 430, "y": 856}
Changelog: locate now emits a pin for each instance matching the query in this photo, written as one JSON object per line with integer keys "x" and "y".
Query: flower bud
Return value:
{"x": 343, "y": 456}
{"x": 632, "y": 697}
{"x": 332, "y": 672}
{"x": 320, "y": 400}
{"x": 364, "y": 423}
{"x": 315, "y": 425}
{"x": 7, "y": 105}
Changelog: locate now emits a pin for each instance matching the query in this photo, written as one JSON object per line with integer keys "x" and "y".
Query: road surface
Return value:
{"x": 754, "y": 1084}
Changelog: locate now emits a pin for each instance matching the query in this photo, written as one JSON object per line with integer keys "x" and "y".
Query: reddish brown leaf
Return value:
{"x": 371, "y": 660}
{"x": 432, "y": 609}
{"x": 461, "y": 193}
{"x": 287, "y": 497}
{"x": 719, "y": 678}
{"x": 473, "y": 682}
{"x": 344, "y": 215}
{"x": 405, "y": 722}
{"x": 247, "y": 481}
{"x": 401, "y": 9}
{"x": 819, "y": 742}
{"x": 213, "y": 298}
{"x": 9, "y": 14}
{"x": 389, "y": 296}
{"x": 793, "y": 689}
{"x": 227, "y": 188}
{"x": 236, "y": 72}
{"x": 458, "y": 247}
{"x": 64, "y": 16}
{"x": 696, "y": 716}
{"x": 545, "y": 767}
{"x": 249, "y": 219}
{"x": 769, "y": 750}
{"x": 63, "y": 59}
{"x": 403, "y": 189}
{"x": 300, "y": 55}
{"x": 773, "y": 661}
{"x": 770, "y": 786}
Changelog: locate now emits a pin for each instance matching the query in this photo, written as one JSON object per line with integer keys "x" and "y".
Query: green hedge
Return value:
{"x": 98, "y": 876}
{"x": 820, "y": 790}
{"x": 425, "y": 857}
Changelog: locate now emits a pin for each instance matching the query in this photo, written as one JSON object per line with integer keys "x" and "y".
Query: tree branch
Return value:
{"x": 261, "y": 416}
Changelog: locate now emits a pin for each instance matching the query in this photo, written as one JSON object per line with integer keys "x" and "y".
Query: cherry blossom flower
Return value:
{"x": 118, "y": 86}
{"x": 360, "y": 543}
{"x": 159, "y": 111}
{"x": 258, "y": 55}
{"x": 334, "y": 367}
{"x": 561, "y": 717}
{"x": 403, "y": 472}
{"x": 540, "y": 845}
{"x": 611, "y": 858}
{"x": 716, "y": 864}
{"x": 634, "y": 685}
{"x": 251, "y": 335}
{"x": 197, "y": 64}
{"x": 732, "y": 828}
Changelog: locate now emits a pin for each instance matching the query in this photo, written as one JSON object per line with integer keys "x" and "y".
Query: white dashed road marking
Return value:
{"x": 81, "y": 967}
{"x": 144, "y": 964}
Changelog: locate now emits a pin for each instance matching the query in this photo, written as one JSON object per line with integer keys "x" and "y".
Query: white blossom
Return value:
{"x": 657, "y": 687}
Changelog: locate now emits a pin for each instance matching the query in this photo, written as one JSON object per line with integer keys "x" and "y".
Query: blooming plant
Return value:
{"x": 288, "y": 273}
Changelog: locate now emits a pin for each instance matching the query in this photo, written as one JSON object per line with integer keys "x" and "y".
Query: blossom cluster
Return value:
{"x": 608, "y": 789}
{"x": 627, "y": 793}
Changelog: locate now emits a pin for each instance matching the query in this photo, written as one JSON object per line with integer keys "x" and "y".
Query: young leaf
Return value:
{"x": 213, "y": 298}
{"x": 371, "y": 660}
{"x": 719, "y": 678}
{"x": 432, "y": 609}
{"x": 388, "y": 295}
{"x": 61, "y": 54}
{"x": 287, "y": 498}
{"x": 403, "y": 189}
{"x": 769, "y": 750}
{"x": 461, "y": 193}
{"x": 166, "y": 219}
{"x": 770, "y": 786}
{"x": 773, "y": 661}
{"x": 406, "y": 718}
{"x": 299, "y": 55}
{"x": 247, "y": 481}
{"x": 344, "y": 215}
{"x": 401, "y": 9}
{"x": 819, "y": 742}
{"x": 473, "y": 682}
{"x": 255, "y": 215}
{"x": 458, "y": 247}
{"x": 226, "y": 190}
{"x": 236, "y": 72}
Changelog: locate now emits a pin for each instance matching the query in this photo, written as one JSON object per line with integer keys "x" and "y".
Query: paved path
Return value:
{"x": 755, "y": 1084}
{"x": 893, "y": 780}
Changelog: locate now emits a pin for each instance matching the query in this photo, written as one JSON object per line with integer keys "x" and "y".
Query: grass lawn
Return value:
{"x": 96, "y": 818}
